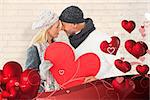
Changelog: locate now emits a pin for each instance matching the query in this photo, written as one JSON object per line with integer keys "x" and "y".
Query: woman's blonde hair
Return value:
{"x": 45, "y": 21}
{"x": 40, "y": 37}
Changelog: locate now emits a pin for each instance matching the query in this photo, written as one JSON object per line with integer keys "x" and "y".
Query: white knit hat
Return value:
{"x": 46, "y": 18}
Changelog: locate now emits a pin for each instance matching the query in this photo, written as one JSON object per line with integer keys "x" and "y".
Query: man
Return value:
{"x": 84, "y": 37}
{"x": 77, "y": 28}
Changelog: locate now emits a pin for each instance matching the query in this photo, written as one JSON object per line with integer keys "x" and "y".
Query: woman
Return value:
{"x": 48, "y": 26}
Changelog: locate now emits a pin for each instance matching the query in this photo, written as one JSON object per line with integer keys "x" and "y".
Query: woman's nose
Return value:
{"x": 61, "y": 26}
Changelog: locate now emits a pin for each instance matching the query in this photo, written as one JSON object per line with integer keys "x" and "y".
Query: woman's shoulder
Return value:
{"x": 41, "y": 45}
{"x": 38, "y": 47}
{"x": 32, "y": 48}
{"x": 35, "y": 46}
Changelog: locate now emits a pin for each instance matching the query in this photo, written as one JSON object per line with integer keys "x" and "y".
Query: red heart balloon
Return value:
{"x": 11, "y": 94}
{"x": 5, "y": 94}
{"x": 29, "y": 83}
{"x": 29, "y": 77}
{"x": 123, "y": 66}
{"x": 66, "y": 70}
{"x": 142, "y": 69}
{"x": 13, "y": 82}
{"x": 112, "y": 47}
{"x": 137, "y": 49}
{"x": 1, "y": 96}
{"x": 11, "y": 69}
{"x": 129, "y": 26}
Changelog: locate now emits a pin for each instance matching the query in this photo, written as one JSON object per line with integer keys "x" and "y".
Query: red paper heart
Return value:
{"x": 123, "y": 66}
{"x": 66, "y": 70}
{"x": 142, "y": 69}
{"x": 112, "y": 47}
{"x": 129, "y": 26}
{"x": 137, "y": 49}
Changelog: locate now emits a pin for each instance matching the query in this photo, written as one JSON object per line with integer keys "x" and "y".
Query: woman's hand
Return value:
{"x": 44, "y": 69}
{"x": 89, "y": 79}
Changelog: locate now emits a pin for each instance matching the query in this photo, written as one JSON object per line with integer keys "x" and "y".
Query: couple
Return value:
{"x": 49, "y": 24}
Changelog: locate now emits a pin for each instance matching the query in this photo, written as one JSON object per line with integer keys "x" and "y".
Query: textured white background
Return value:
{"x": 16, "y": 17}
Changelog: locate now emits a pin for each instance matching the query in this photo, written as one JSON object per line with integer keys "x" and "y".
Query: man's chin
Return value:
{"x": 68, "y": 34}
{"x": 71, "y": 33}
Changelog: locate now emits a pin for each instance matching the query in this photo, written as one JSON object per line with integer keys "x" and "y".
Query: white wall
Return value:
{"x": 16, "y": 17}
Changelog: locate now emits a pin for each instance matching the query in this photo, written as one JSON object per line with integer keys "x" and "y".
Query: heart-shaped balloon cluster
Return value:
{"x": 18, "y": 84}
{"x": 137, "y": 49}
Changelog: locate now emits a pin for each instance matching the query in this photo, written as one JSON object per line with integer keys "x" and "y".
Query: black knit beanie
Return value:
{"x": 72, "y": 14}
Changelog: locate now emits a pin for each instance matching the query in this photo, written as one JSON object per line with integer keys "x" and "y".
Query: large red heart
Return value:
{"x": 142, "y": 69}
{"x": 129, "y": 26}
{"x": 112, "y": 47}
{"x": 123, "y": 66}
{"x": 137, "y": 49}
{"x": 67, "y": 70}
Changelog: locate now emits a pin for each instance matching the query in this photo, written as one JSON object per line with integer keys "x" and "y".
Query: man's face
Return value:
{"x": 69, "y": 28}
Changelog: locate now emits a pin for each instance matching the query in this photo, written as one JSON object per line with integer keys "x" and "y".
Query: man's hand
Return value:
{"x": 89, "y": 79}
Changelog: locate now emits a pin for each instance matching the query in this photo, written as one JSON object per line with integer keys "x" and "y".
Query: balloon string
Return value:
{"x": 148, "y": 51}
{"x": 134, "y": 63}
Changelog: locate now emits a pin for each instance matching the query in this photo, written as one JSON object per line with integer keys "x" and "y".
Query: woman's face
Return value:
{"x": 53, "y": 31}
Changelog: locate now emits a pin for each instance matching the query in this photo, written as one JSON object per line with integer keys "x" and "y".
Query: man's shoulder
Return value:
{"x": 99, "y": 35}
